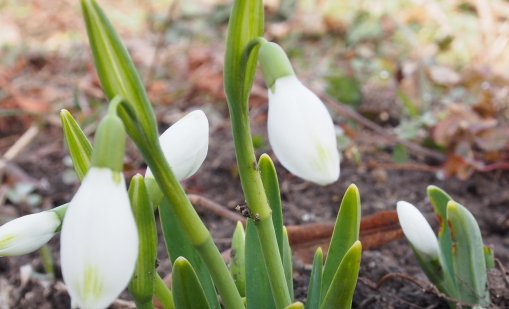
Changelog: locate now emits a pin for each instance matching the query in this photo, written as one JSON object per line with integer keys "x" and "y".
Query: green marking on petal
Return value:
{"x": 116, "y": 177}
{"x": 6, "y": 241}
{"x": 92, "y": 284}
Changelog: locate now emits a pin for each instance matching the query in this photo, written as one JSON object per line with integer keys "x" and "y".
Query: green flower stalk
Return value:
{"x": 119, "y": 77}
{"x": 94, "y": 278}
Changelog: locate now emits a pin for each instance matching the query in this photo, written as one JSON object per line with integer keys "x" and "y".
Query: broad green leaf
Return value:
{"x": 238, "y": 259}
{"x": 340, "y": 292}
{"x": 468, "y": 255}
{"x": 80, "y": 148}
{"x": 187, "y": 290}
{"x": 345, "y": 234}
{"x": 141, "y": 285}
{"x": 315, "y": 281}
{"x": 271, "y": 186}
{"x": 178, "y": 244}
{"x": 115, "y": 68}
{"x": 245, "y": 24}
{"x": 439, "y": 200}
{"x": 287, "y": 262}
{"x": 258, "y": 291}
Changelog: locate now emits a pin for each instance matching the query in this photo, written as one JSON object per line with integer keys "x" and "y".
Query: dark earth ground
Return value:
{"x": 485, "y": 195}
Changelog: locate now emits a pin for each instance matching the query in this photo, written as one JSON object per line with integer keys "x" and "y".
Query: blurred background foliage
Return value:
{"x": 431, "y": 72}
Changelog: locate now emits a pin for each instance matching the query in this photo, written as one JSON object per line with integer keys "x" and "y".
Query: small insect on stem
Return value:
{"x": 255, "y": 166}
{"x": 243, "y": 210}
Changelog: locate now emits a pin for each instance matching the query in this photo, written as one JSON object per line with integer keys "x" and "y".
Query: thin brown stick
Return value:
{"x": 404, "y": 167}
{"x": 425, "y": 286}
{"x": 218, "y": 209}
{"x": 348, "y": 112}
{"x": 18, "y": 147}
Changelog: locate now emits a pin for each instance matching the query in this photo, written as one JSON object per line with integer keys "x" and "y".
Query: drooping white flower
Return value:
{"x": 99, "y": 240}
{"x": 301, "y": 132}
{"x": 28, "y": 233}
{"x": 185, "y": 144}
{"x": 416, "y": 229}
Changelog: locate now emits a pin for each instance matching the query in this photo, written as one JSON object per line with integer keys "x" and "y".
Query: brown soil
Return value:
{"x": 484, "y": 194}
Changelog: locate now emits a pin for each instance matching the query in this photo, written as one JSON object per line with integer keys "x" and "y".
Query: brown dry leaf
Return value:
{"x": 206, "y": 71}
{"x": 376, "y": 230}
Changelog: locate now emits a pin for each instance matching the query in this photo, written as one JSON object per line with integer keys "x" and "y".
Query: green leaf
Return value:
{"x": 80, "y": 148}
{"x": 258, "y": 291}
{"x": 399, "y": 154}
{"x": 345, "y": 89}
{"x": 287, "y": 262}
{"x": 315, "y": 281}
{"x": 409, "y": 105}
{"x": 340, "y": 292}
{"x": 141, "y": 285}
{"x": 433, "y": 269}
{"x": 238, "y": 259}
{"x": 439, "y": 200}
{"x": 187, "y": 290}
{"x": 345, "y": 234}
{"x": 271, "y": 187}
{"x": 245, "y": 24}
{"x": 115, "y": 68}
{"x": 489, "y": 257}
{"x": 468, "y": 255}
{"x": 178, "y": 244}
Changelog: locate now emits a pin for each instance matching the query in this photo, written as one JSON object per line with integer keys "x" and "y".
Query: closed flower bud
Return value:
{"x": 417, "y": 230}
{"x": 185, "y": 144}
{"x": 99, "y": 240}
{"x": 28, "y": 233}
{"x": 301, "y": 132}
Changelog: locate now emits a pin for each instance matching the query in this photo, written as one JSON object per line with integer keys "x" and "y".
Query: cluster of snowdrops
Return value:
{"x": 108, "y": 232}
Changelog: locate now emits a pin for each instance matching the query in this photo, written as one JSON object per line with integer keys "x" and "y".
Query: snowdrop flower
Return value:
{"x": 28, "y": 233}
{"x": 300, "y": 128}
{"x": 99, "y": 239}
{"x": 185, "y": 144}
{"x": 417, "y": 230}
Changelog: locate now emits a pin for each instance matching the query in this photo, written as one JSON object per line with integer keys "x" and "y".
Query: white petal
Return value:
{"x": 185, "y": 144}
{"x": 302, "y": 133}
{"x": 99, "y": 240}
{"x": 416, "y": 229}
{"x": 28, "y": 233}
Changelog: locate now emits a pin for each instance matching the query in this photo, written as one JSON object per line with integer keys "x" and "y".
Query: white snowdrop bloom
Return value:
{"x": 28, "y": 233}
{"x": 417, "y": 230}
{"x": 301, "y": 132}
{"x": 185, "y": 144}
{"x": 99, "y": 240}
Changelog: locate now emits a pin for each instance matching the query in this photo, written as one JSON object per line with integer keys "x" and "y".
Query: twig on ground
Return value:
{"x": 170, "y": 16}
{"x": 425, "y": 286}
{"x": 346, "y": 111}
{"x": 18, "y": 147}
{"x": 403, "y": 166}
{"x": 206, "y": 204}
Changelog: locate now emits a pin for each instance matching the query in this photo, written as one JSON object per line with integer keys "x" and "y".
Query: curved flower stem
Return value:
{"x": 254, "y": 192}
{"x": 191, "y": 223}
{"x": 163, "y": 293}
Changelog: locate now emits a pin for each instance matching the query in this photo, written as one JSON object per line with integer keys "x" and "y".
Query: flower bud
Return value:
{"x": 185, "y": 144}
{"x": 301, "y": 132}
{"x": 99, "y": 240}
{"x": 417, "y": 230}
{"x": 28, "y": 233}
